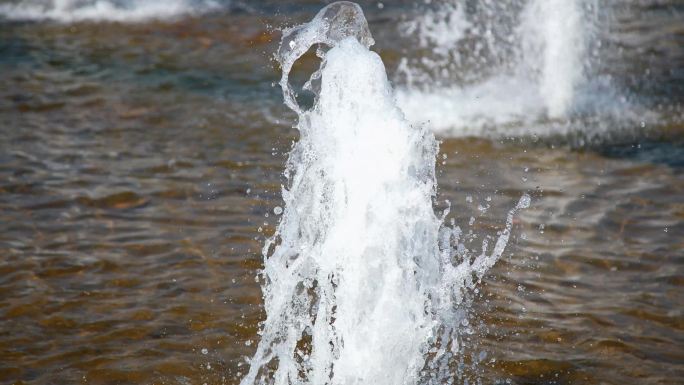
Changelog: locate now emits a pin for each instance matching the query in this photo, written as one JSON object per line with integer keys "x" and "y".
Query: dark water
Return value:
{"x": 140, "y": 163}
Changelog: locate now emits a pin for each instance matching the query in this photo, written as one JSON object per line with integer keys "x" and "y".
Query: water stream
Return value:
{"x": 364, "y": 283}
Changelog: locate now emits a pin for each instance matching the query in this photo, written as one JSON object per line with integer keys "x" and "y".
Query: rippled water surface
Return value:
{"x": 140, "y": 164}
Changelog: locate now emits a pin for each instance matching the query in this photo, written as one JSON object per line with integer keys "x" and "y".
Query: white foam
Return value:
{"x": 362, "y": 279}
{"x": 104, "y": 10}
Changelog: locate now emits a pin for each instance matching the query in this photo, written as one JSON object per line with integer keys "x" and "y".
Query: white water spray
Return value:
{"x": 554, "y": 48}
{"x": 511, "y": 66}
{"x": 363, "y": 282}
{"x": 103, "y": 10}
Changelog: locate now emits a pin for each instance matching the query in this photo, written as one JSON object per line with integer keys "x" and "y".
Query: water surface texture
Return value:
{"x": 142, "y": 152}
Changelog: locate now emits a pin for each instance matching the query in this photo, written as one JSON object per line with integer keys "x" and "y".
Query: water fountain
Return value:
{"x": 363, "y": 282}
{"x": 515, "y": 68}
{"x": 554, "y": 50}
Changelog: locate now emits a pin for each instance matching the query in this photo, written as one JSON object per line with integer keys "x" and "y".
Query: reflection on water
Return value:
{"x": 139, "y": 166}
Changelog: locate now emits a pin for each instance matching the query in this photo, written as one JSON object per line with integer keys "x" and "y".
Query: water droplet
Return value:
{"x": 277, "y": 210}
{"x": 205, "y": 351}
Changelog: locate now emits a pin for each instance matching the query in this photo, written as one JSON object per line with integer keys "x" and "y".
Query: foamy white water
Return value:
{"x": 363, "y": 282}
{"x": 103, "y": 10}
{"x": 530, "y": 74}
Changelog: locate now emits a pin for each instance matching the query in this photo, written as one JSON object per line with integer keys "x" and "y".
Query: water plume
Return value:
{"x": 514, "y": 68}
{"x": 553, "y": 41}
{"x": 363, "y": 282}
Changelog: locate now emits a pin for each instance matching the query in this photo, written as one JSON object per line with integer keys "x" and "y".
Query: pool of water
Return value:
{"x": 140, "y": 164}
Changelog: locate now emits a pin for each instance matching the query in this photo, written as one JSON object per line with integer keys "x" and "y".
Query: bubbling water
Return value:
{"x": 363, "y": 282}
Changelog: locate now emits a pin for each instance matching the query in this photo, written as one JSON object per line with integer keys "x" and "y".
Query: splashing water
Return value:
{"x": 98, "y": 10}
{"x": 523, "y": 67}
{"x": 363, "y": 283}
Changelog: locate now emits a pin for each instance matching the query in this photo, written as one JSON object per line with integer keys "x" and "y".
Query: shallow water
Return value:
{"x": 140, "y": 164}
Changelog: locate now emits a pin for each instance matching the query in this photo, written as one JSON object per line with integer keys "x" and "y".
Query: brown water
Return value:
{"x": 139, "y": 166}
